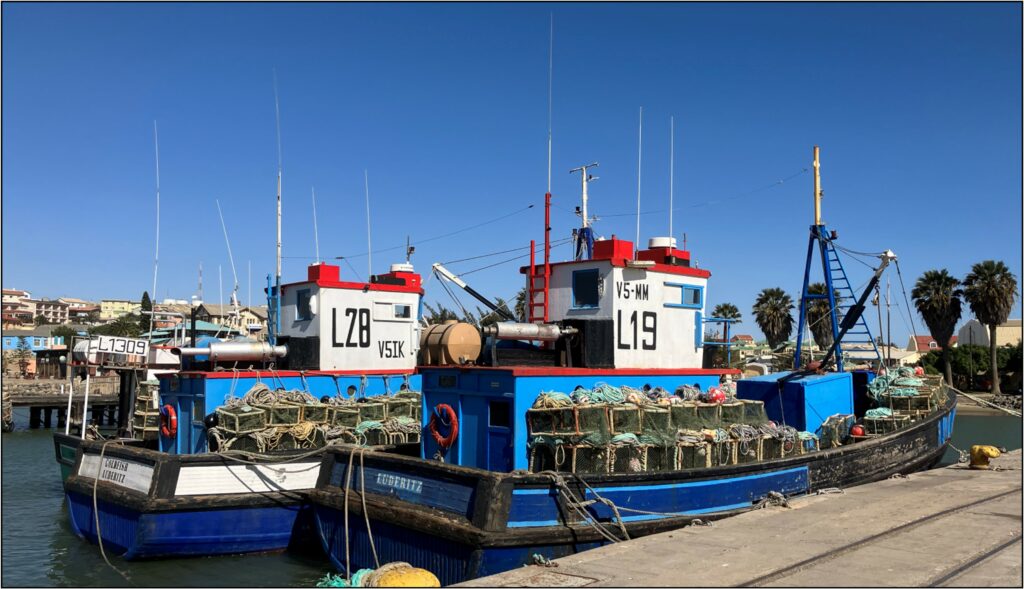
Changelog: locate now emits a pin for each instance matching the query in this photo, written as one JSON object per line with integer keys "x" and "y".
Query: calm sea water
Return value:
{"x": 39, "y": 549}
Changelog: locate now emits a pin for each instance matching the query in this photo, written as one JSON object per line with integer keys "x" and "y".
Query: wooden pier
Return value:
{"x": 951, "y": 526}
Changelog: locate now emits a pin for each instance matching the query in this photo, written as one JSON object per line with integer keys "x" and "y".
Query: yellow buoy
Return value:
{"x": 401, "y": 574}
{"x": 980, "y": 455}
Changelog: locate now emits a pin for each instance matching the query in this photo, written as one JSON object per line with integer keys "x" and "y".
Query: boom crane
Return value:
{"x": 447, "y": 275}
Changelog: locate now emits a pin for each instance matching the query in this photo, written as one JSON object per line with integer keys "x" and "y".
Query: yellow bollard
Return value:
{"x": 980, "y": 456}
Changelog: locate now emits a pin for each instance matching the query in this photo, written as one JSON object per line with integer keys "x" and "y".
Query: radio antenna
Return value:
{"x": 639, "y": 161}
{"x": 231, "y": 258}
{"x": 156, "y": 256}
{"x": 316, "y": 234}
{"x": 369, "y": 246}
{"x": 671, "y": 173}
{"x": 277, "y": 286}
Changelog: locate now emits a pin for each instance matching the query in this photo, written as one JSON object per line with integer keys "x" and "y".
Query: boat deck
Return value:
{"x": 945, "y": 527}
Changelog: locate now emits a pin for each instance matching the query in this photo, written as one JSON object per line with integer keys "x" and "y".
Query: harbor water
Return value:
{"x": 39, "y": 548}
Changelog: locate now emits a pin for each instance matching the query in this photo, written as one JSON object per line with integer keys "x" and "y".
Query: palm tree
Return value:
{"x": 937, "y": 298}
{"x": 819, "y": 316}
{"x": 773, "y": 314}
{"x": 727, "y": 311}
{"x": 990, "y": 290}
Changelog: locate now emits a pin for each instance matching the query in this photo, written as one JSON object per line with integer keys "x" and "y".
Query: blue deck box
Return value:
{"x": 806, "y": 402}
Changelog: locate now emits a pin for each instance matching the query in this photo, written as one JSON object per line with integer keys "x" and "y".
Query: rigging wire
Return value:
{"x": 515, "y": 249}
{"x": 449, "y": 234}
{"x": 512, "y": 259}
{"x": 913, "y": 328}
{"x": 717, "y": 200}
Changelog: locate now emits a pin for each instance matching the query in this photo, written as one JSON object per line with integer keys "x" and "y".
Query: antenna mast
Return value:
{"x": 671, "y": 174}
{"x": 585, "y": 235}
{"x": 639, "y": 161}
{"x": 369, "y": 246}
{"x": 156, "y": 256}
{"x": 277, "y": 286}
{"x": 551, "y": 68}
{"x": 200, "y": 282}
{"x": 316, "y": 234}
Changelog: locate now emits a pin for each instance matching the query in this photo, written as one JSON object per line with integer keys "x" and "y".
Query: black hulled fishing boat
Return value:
{"x": 594, "y": 422}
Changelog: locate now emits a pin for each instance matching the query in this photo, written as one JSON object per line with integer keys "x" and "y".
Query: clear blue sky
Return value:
{"x": 917, "y": 108}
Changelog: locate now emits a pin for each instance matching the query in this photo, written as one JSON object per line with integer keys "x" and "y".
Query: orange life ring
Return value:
{"x": 444, "y": 442}
{"x": 168, "y": 422}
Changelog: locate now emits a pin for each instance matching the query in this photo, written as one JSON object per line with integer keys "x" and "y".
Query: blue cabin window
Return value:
{"x": 690, "y": 296}
{"x": 302, "y": 309}
{"x": 7, "y": 341}
{"x": 584, "y": 288}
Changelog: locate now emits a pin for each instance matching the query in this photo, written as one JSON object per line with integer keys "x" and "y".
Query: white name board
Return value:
{"x": 246, "y": 478}
{"x": 109, "y": 344}
{"x": 121, "y": 472}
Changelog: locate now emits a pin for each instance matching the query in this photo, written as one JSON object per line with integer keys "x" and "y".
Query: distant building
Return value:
{"x": 742, "y": 339}
{"x": 111, "y": 309}
{"x": 83, "y": 314}
{"x": 251, "y": 320}
{"x": 74, "y": 303}
{"x": 975, "y": 333}
{"x": 926, "y": 343}
{"x": 54, "y": 312}
{"x": 33, "y": 340}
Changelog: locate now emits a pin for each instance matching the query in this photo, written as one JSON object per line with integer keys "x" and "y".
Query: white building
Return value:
{"x": 975, "y": 333}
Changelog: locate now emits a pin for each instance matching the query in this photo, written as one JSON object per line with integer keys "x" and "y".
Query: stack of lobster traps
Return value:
{"x": 901, "y": 399}
{"x": 265, "y": 420}
{"x": 619, "y": 429}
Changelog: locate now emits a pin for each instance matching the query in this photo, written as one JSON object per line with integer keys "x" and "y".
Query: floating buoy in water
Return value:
{"x": 857, "y": 430}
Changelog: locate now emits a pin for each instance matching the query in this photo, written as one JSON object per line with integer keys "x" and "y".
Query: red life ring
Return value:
{"x": 444, "y": 442}
{"x": 168, "y": 422}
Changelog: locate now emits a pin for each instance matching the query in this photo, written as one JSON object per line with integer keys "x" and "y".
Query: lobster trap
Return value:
{"x": 836, "y": 430}
{"x": 884, "y": 425}
{"x": 733, "y": 412}
{"x": 241, "y": 419}
{"x": 710, "y": 415}
{"x": 723, "y": 453}
{"x": 624, "y": 419}
{"x": 282, "y": 413}
{"x": 692, "y": 455}
{"x": 753, "y": 412}
{"x": 684, "y": 416}
{"x": 314, "y": 412}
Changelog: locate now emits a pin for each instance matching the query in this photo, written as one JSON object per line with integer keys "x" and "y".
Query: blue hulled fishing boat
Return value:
{"x": 594, "y": 422}
{"x": 243, "y": 426}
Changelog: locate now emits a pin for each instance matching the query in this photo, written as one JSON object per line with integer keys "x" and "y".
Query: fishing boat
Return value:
{"x": 243, "y": 425}
{"x": 594, "y": 421}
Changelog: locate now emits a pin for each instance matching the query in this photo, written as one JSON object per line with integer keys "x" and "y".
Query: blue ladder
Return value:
{"x": 836, "y": 283}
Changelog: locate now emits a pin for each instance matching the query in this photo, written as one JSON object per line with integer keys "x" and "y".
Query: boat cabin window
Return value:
{"x": 303, "y": 312}
{"x": 691, "y": 296}
{"x": 391, "y": 312}
{"x": 499, "y": 414}
{"x": 584, "y": 288}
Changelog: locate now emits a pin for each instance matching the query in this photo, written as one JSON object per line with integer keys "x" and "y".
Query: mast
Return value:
{"x": 639, "y": 161}
{"x": 276, "y": 327}
{"x": 156, "y": 256}
{"x": 817, "y": 187}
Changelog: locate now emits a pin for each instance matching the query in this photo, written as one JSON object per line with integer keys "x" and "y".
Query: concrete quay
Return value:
{"x": 945, "y": 527}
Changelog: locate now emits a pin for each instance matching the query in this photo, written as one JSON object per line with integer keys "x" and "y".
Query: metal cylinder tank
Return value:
{"x": 451, "y": 342}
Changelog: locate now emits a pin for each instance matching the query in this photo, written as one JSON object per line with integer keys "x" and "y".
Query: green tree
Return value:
{"x": 727, "y": 311}
{"x": 40, "y": 320}
{"x": 990, "y": 289}
{"x": 819, "y": 314}
{"x": 65, "y": 332}
{"x": 23, "y": 354}
{"x": 123, "y": 326}
{"x": 438, "y": 314}
{"x": 145, "y": 321}
{"x": 488, "y": 317}
{"x": 773, "y": 314}
{"x": 937, "y": 298}
{"x": 521, "y": 304}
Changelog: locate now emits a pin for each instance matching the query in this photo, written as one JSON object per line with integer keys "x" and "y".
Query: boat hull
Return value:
{"x": 463, "y": 523}
{"x": 150, "y": 504}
